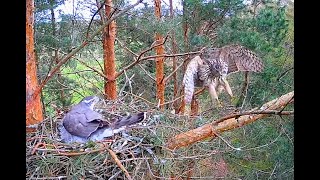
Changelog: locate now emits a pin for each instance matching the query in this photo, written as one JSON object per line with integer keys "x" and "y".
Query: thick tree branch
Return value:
{"x": 210, "y": 130}
{"x": 237, "y": 115}
{"x": 84, "y": 43}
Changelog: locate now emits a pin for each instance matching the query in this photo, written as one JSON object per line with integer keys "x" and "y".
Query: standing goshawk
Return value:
{"x": 211, "y": 68}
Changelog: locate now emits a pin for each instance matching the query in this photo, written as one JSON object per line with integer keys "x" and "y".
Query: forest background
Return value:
{"x": 152, "y": 44}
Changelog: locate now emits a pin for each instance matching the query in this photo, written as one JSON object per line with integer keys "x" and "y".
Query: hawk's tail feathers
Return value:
{"x": 189, "y": 77}
{"x": 129, "y": 120}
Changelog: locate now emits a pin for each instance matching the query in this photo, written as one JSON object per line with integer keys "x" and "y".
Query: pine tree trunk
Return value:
{"x": 159, "y": 60}
{"x": 109, "y": 36}
{"x": 174, "y": 63}
{"x": 34, "y": 112}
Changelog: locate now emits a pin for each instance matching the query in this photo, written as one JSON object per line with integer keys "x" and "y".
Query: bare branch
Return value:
{"x": 116, "y": 159}
{"x": 153, "y": 57}
{"x": 73, "y": 52}
{"x": 172, "y": 73}
{"x": 284, "y": 73}
{"x": 95, "y": 70}
{"x": 99, "y": 8}
{"x": 138, "y": 59}
{"x": 126, "y": 48}
{"x": 154, "y": 45}
{"x": 147, "y": 73}
{"x": 136, "y": 55}
{"x": 169, "y": 55}
{"x": 85, "y": 64}
{"x": 125, "y": 84}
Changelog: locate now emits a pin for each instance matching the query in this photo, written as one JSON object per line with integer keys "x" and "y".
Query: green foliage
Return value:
{"x": 270, "y": 148}
{"x": 269, "y": 32}
{"x": 44, "y": 5}
{"x": 265, "y": 32}
{"x": 199, "y": 14}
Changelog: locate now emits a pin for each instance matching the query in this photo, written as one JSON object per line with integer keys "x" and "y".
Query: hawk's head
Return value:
{"x": 90, "y": 101}
{"x": 215, "y": 68}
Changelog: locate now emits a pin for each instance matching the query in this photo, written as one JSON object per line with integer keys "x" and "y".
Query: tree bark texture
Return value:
{"x": 174, "y": 63}
{"x": 211, "y": 129}
{"x": 159, "y": 60}
{"x": 34, "y": 112}
{"x": 194, "y": 106}
{"x": 109, "y": 36}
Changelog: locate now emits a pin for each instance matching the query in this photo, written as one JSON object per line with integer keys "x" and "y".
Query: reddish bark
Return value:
{"x": 211, "y": 129}
{"x": 34, "y": 112}
{"x": 194, "y": 106}
{"x": 109, "y": 36}
{"x": 159, "y": 60}
{"x": 182, "y": 105}
{"x": 83, "y": 44}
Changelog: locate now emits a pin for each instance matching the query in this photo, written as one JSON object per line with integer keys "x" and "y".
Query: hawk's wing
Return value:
{"x": 240, "y": 58}
{"x": 190, "y": 77}
{"x": 236, "y": 57}
{"x": 76, "y": 124}
{"x": 91, "y": 115}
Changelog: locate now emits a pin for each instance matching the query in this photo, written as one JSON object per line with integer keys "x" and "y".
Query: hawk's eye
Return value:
{"x": 216, "y": 66}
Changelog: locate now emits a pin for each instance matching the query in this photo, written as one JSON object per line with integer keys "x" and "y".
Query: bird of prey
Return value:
{"x": 82, "y": 123}
{"x": 212, "y": 67}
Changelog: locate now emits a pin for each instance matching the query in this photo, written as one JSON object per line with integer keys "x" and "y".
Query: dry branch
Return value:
{"x": 69, "y": 154}
{"x": 116, "y": 159}
{"x": 170, "y": 55}
{"x": 210, "y": 130}
{"x": 95, "y": 70}
{"x": 139, "y": 59}
{"x": 84, "y": 43}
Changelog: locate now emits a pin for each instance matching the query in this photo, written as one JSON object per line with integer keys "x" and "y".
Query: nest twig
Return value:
{"x": 137, "y": 154}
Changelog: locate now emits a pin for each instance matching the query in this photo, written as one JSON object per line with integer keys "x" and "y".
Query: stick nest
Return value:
{"x": 140, "y": 151}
